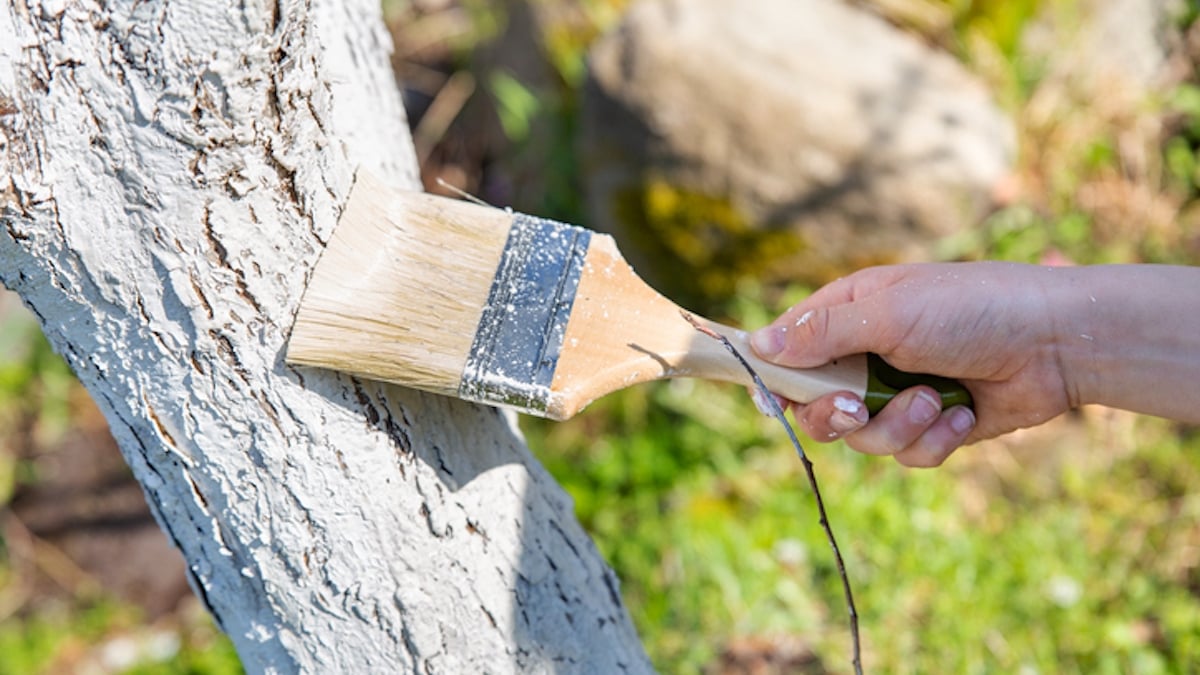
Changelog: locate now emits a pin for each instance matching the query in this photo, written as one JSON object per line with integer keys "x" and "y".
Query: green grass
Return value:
{"x": 107, "y": 633}
{"x": 1086, "y": 563}
{"x": 1070, "y": 551}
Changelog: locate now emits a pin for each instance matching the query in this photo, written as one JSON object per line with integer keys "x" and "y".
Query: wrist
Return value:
{"x": 1070, "y": 305}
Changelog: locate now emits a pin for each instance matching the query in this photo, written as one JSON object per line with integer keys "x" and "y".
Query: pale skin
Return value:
{"x": 1029, "y": 342}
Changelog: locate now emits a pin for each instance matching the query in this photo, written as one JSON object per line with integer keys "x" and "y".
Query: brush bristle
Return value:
{"x": 399, "y": 291}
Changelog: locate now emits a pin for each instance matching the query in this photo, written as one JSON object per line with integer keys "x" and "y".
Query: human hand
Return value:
{"x": 988, "y": 325}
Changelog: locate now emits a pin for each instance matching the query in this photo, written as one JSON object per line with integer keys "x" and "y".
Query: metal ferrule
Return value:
{"x": 520, "y": 333}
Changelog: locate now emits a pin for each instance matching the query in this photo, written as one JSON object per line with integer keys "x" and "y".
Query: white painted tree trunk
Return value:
{"x": 169, "y": 172}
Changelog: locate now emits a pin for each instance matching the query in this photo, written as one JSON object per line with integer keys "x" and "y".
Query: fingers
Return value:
{"x": 912, "y": 428}
{"x": 810, "y": 338}
{"x": 848, "y": 316}
{"x": 831, "y": 417}
{"x": 940, "y": 440}
{"x": 915, "y": 430}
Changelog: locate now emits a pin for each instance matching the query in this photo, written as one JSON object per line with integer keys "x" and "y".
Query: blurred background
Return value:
{"x": 743, "y": 154}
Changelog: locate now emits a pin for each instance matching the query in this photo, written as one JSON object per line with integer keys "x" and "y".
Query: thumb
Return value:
{"x": 811, "y": 336}
{"x": 849, "y": 316}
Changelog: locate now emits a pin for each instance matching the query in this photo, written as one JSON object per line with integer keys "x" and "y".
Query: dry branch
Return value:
{"x": 777, "y": 412}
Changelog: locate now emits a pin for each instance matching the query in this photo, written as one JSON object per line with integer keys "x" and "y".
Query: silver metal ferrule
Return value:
{"x": 521, "y": 330}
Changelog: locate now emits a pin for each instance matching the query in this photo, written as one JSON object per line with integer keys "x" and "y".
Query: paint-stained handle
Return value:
{"x": 885, "y": 381}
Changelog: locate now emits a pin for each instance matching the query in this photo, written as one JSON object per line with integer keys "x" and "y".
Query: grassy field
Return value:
{"x": 1072, "y": 548}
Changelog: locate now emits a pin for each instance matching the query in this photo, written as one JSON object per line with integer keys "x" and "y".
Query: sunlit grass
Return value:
{"x": 1085, "y": 562}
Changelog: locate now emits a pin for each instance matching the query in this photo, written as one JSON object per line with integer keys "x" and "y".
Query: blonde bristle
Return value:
{"x": 507, "y": 309}
{"x": 399, "y": 291}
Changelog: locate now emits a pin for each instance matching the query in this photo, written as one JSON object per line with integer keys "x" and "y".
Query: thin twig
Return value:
{"x": 447, "y": 104}
{"x": 777, "y": 412}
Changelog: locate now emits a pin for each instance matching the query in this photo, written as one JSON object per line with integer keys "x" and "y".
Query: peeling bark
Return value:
{"x": 169, "y": 172}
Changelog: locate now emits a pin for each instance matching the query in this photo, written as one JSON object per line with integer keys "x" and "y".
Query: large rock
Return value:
{"x": 787, "y": 139}
{"x": 1112, "y": 48}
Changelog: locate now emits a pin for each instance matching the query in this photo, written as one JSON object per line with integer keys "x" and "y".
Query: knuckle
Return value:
{"x": 816, "y": 326}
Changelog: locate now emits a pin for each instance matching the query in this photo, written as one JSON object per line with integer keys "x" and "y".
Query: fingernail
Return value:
{"x": 848, "y": 415}
{"x": 768, "y": 342}
{"x": 961, "y": 420}
{"x": 923, "y": 408}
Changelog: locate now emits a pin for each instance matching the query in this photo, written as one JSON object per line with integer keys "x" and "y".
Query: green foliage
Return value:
{"x": 487, "y": 20}
{"x": 516, "y": 105}
{"x": 29, "y": 646}
{"x": 1189, "y": 11}
{"x": 1022, "y": 234}
{"x": 204, "y": 651}
{"x": 703, "y": 510}
{"x": 1072, "y": 556}
{"x": 1182, "y": 150}
{"x": 33, "y": 379}
{"x": 988, "y": 35}
{"x": 566, "y": 43}
{"x": 540, "y": 119}
{"x": 702, "y": 245}
{"x": 35, "y": 388}
{"x": 61, "y": 639}
{"x": 998, "y": 22}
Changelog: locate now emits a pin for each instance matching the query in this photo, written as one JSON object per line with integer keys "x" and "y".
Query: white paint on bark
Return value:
{"x": 169, "y": 172}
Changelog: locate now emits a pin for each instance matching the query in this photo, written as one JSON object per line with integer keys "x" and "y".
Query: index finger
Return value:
{"x": 849, "y": 316}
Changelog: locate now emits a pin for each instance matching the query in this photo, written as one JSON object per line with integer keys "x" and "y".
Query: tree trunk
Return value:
{"x": 169, "y": 173}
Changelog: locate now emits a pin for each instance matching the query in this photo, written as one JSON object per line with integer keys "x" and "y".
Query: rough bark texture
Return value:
{"x": 169, "y": 172}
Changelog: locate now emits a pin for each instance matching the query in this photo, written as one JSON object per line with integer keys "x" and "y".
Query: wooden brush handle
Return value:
{"x": 622, "y": 332}
{"x": 868, "y": 376}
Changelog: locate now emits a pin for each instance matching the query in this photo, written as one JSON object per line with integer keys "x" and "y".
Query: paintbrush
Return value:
{"x": 504, "y": 308}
